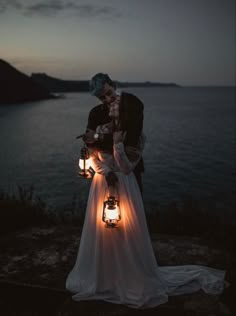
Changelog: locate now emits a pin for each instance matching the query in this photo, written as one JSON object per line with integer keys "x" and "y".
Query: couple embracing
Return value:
{"x": 119, "y": 265}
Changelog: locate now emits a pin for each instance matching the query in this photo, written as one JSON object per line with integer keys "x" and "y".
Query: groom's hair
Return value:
{"x": 98, "y": 81}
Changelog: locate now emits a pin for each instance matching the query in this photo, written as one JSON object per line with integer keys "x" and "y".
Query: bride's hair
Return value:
{"x": 134, "y": 140}
{"x": 130, "y": 120}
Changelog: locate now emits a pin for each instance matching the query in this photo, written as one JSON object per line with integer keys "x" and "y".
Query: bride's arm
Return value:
{"x": 97, "y": 165}
{"x": 125, "y": 165}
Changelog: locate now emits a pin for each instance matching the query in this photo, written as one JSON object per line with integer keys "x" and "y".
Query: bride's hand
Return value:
{"x": 118, "y": 137}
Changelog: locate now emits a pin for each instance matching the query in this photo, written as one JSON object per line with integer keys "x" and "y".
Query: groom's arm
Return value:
{"x": 104, "y": 141}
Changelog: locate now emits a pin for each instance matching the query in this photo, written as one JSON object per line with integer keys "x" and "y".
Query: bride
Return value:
{"x": 118, "y": 264}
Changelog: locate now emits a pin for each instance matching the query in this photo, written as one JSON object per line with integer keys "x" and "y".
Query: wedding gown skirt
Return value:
{"x": 118, "y": 265}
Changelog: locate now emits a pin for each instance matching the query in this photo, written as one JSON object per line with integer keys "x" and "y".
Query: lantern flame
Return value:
{"x": 87, "y": 163}
{"x": 111, "y": 213}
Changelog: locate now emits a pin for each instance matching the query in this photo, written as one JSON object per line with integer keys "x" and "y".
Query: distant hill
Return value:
{"x": 59, "y": 85}
{"x": 16, "y": 87}
{"x": 146, "y": 84}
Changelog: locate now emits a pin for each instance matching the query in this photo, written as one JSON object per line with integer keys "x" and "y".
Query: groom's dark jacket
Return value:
{"x": 131, "y": 112}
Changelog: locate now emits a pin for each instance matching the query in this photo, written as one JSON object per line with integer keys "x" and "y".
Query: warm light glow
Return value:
{"x": 112, "y": 213}
{"x": 87, "y": 164}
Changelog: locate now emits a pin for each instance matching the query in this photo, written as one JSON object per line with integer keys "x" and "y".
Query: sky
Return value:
{"x": 189, "y": 42}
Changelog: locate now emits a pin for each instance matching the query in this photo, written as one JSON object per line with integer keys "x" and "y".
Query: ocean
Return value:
{"x": 190, "y": 148}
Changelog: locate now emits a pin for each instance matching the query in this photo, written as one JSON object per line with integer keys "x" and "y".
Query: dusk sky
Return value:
{"x": 189, "y": 42}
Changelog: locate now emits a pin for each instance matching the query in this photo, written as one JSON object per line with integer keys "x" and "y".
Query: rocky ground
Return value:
{"x": 34, "y": 263}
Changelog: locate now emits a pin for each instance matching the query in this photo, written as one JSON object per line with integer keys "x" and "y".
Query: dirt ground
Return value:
{"x": 34, "y": 263}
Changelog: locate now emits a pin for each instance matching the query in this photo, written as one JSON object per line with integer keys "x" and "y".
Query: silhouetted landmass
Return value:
{"x": 147, "y": 84}
{"x": 59, "y": 85}
{"x": 16, "y": 87}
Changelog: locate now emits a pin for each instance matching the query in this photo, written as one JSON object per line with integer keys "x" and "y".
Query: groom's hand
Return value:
{"x": 111, "y": 178}
{"x": 89, "y": 136}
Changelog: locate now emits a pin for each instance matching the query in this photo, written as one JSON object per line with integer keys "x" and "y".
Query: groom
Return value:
{"x": 104, "y": 89}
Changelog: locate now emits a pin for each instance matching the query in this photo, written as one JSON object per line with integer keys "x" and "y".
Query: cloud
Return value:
{"x": 44, "y": 8}
{"x": 84, "y": 10}
{"x": 5, "y": 4}
{"x": 55, "y": 7}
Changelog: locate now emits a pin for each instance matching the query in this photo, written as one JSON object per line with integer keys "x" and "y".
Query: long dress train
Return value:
{"x": 118, "y": 265}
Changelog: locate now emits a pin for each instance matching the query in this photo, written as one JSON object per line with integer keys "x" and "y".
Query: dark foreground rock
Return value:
{"x": 34, "y": 264}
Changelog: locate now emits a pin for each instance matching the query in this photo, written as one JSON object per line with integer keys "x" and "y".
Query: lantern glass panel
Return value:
{"x": 112, "y": 213}
{"x": 87, "y": 164}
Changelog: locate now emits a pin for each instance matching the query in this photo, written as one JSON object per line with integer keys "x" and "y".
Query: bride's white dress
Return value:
{"x": 118, "y": 264}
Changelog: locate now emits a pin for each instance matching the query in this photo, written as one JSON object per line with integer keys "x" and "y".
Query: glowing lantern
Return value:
{"x": 85, "y": 163}
{"x": 111, "y": 212}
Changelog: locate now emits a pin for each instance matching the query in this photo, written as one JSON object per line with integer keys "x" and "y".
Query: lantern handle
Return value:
{"x": 80, "y": 136}
{"x": 115, "y": 189}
